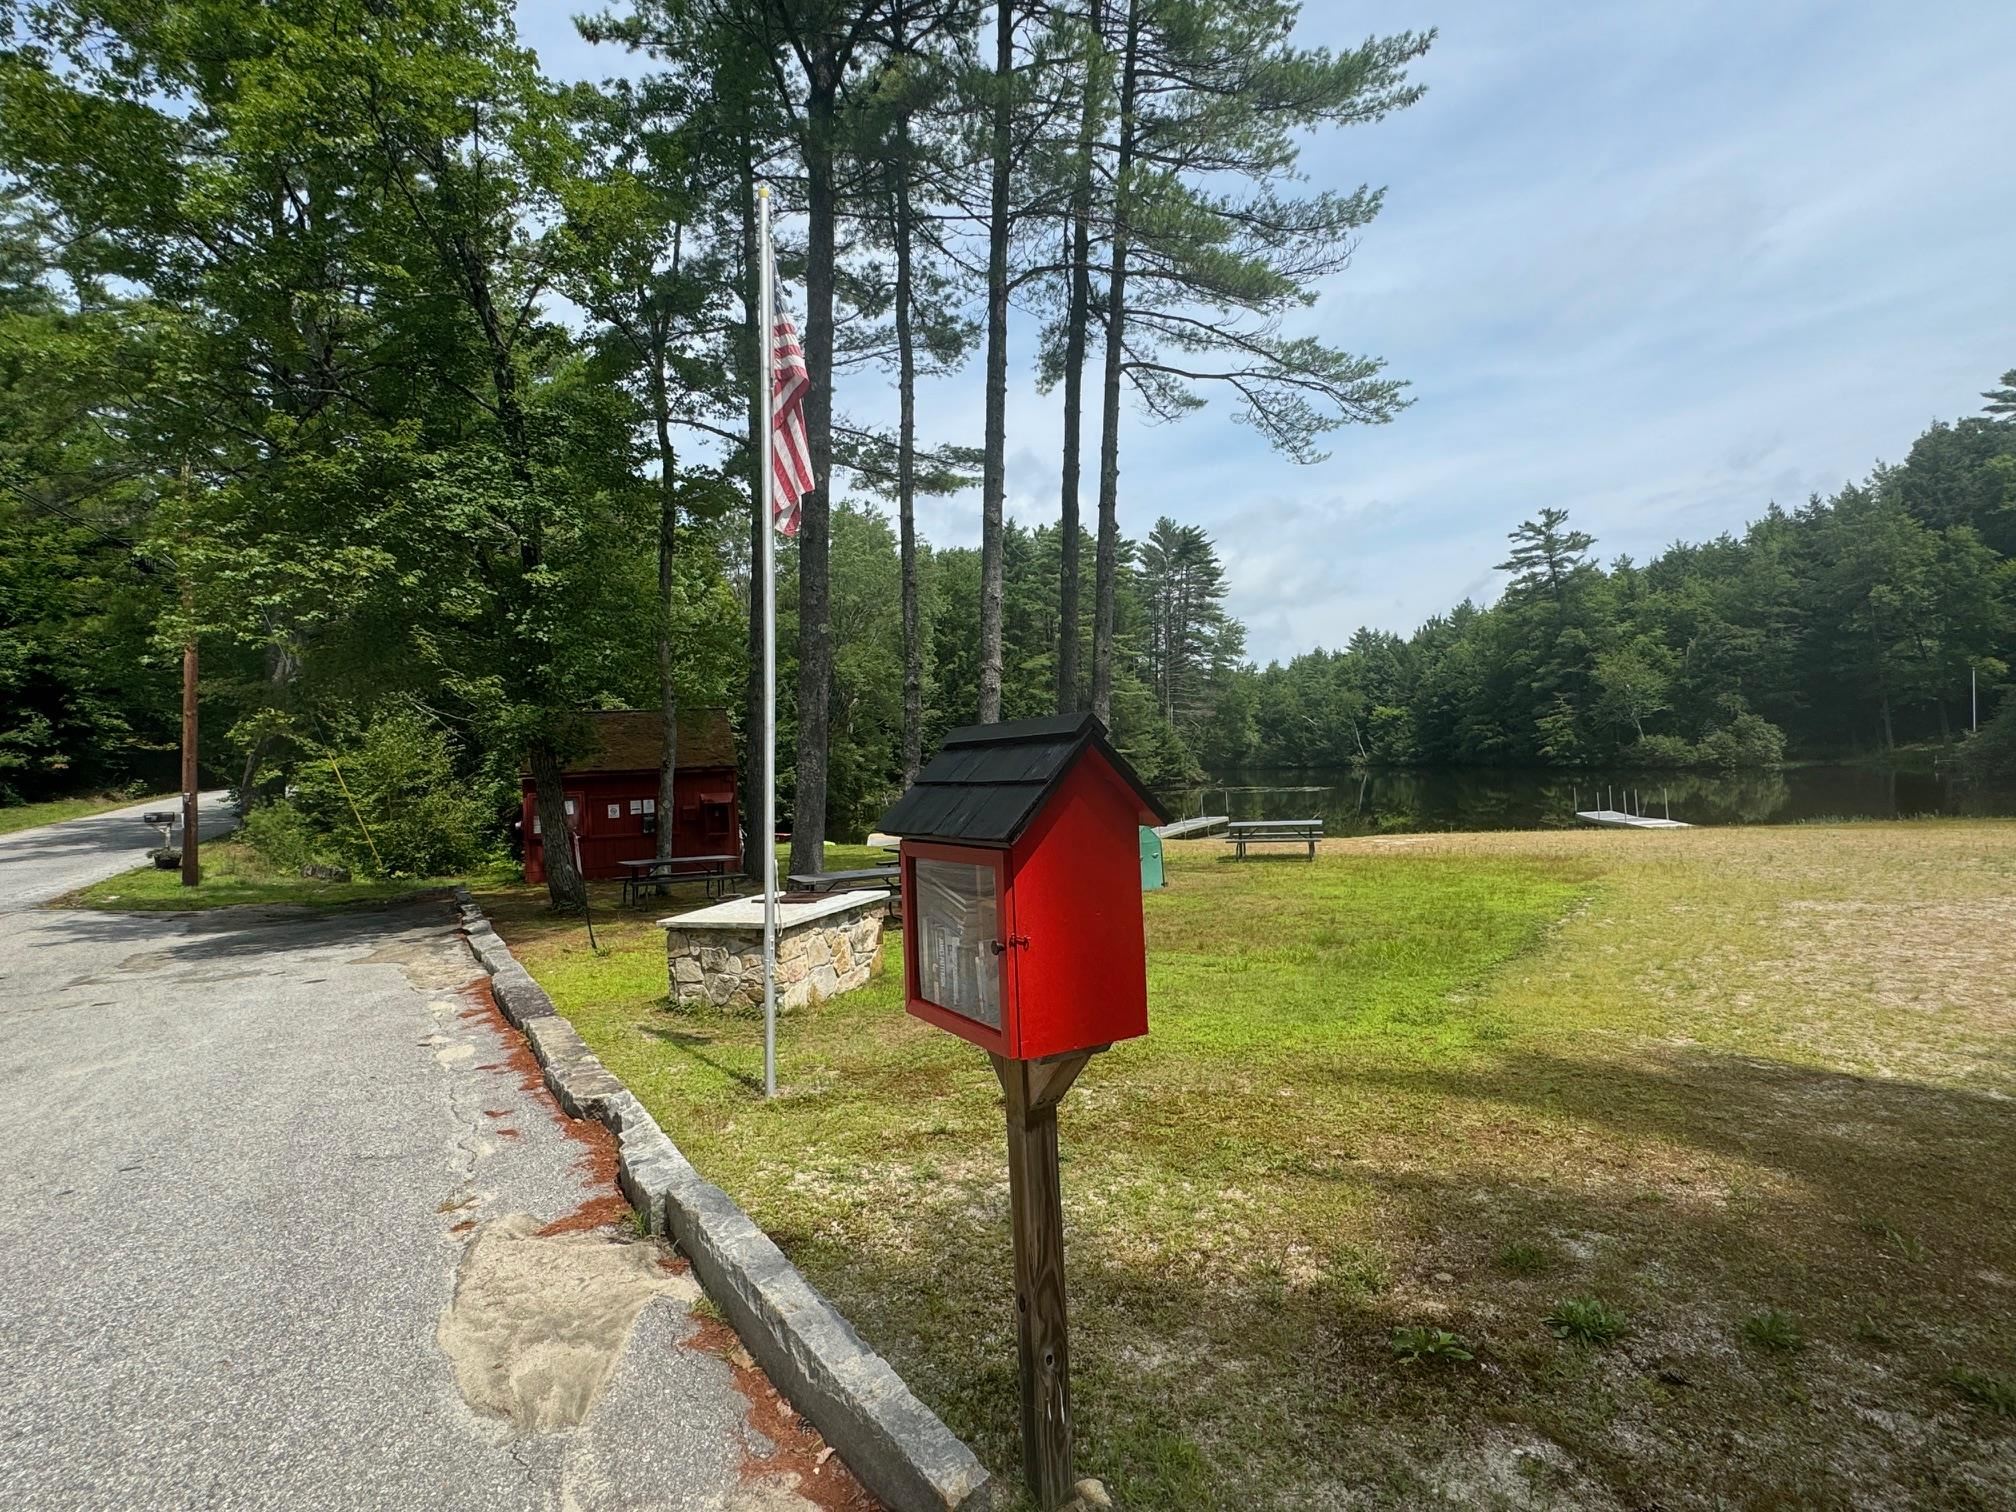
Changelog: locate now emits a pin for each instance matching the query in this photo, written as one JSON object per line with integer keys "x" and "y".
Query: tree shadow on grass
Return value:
{"x": 1272, "y": 857}
{"x": 1859, "y": 1144}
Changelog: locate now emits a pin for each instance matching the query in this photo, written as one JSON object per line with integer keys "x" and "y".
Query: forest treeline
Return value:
{"x": 418, "y": 388}
{"x": 1852, "y": 623}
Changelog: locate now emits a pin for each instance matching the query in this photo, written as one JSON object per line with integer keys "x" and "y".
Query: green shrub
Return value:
{"x": 1748, "y": 741}
{"x": 1660, "y": 751}
{"x": 391, "y": 802}
{"x": 1990, "y": 756}
{"x": 282, "y": 836}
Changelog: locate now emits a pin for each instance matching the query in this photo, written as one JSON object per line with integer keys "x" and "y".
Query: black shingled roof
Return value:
{"x": 990, "y": 780}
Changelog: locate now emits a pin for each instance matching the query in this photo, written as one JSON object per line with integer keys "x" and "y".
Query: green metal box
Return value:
{"x": 1151, "y": 860}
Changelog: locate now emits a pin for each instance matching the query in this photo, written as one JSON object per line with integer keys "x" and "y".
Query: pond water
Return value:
{"x": 1396, "y": 802}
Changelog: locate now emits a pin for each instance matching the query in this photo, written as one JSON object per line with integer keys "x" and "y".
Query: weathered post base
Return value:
{"x": 1032, "y": 1090}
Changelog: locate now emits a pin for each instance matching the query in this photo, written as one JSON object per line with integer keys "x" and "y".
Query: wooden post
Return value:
{"x": 191, "y": 871}
{"x": 1032, "y": 1090}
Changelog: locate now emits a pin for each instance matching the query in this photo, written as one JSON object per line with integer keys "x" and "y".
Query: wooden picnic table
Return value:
{"x": 652, "y": 872}
{"x": 1244, "y": 832}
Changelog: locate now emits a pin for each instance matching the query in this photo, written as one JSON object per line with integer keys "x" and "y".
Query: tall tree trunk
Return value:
{"x": 906, "y": 473}
{"x": 280, "y": 671}
{"x": 1106, "y": 564}
{"x": 1172, "y": 631}
{"x": 565, "y": 889}
{"x": 668, "y": 546}
{"x": 1067, "y": 514}
{"x": 815, "y": 632}
{"x": 1078, "y": 311}
{"x": 993, "y": 471}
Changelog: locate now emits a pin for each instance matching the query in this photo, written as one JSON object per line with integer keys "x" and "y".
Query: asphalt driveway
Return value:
{"x": 39, "y": 864}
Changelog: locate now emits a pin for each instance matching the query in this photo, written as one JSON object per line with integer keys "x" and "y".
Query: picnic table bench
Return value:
{"x": 653, "y": 873}
{"x": 1244, "y": 832}
{"x": 863, "y": 876}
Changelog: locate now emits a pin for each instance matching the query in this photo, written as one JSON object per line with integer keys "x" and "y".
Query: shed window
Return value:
{"x": 958, "y": 919}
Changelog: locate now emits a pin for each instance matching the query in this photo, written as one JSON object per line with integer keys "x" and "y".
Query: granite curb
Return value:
{"x": 894, "y": 1443}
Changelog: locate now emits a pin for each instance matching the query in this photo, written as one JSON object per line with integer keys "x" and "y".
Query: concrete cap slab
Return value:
{"x": 747, "y": 913}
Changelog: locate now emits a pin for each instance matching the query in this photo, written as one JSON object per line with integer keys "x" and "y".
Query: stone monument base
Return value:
{"x": 827, "y": 946}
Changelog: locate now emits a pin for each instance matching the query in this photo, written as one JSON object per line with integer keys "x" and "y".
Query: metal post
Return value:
{"x": 766, "y": 336}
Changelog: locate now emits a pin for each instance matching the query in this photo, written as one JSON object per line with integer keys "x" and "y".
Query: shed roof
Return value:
{"x": 633, "y": 740}
{"x": 990, "y": 780}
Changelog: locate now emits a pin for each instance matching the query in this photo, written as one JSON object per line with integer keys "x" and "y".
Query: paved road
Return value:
{"x": 251, "y": 1159}
{"x": 39, "y": 864}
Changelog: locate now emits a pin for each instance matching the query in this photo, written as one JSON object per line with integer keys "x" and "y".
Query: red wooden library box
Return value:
{"x": 1021, "y": 875}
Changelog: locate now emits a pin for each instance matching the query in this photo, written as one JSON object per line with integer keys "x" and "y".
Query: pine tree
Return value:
{"x": 1546, "y": 554}
{"x": 1200, "y": 276}
{"x": 906, "y": 128}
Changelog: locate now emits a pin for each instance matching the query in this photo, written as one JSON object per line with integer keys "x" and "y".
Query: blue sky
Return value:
{"x": 1658, "y": 265}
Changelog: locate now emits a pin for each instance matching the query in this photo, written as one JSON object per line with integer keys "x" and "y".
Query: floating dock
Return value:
{"x": 1185, "y": 829}
{"x": 1618, "y": 819}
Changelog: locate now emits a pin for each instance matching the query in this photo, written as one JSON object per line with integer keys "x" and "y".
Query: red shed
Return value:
{"x": 1021, "y": 871}
{"x": 612, "y": 792}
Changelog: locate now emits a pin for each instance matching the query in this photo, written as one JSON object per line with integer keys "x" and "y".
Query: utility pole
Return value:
{"x": 191, "y": 873}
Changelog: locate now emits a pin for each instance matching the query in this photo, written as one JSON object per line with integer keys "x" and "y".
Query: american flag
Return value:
{"x": 790, "y": 457}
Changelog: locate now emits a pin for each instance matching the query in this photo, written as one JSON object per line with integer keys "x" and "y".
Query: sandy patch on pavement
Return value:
{"x": 538, "y": 1322}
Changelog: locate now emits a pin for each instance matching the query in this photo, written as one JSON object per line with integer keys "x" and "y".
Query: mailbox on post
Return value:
{"x": 1021, "y": 870}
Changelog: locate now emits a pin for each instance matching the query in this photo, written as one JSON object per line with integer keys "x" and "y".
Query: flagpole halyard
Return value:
{"x": 766, "y": 305}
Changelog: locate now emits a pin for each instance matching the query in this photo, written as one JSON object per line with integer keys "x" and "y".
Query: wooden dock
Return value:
{"x": 1186, "y": 829}
{"x": 1618, "y": 819}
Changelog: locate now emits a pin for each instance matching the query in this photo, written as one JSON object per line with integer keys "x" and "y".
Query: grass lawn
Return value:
{"x": 28, "y": 815}
{"x": 233, "y": 873}
{"x": 1702, "y": 1144}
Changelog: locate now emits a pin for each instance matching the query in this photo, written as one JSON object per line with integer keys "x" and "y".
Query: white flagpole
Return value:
{"x": 767, "y": 340}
